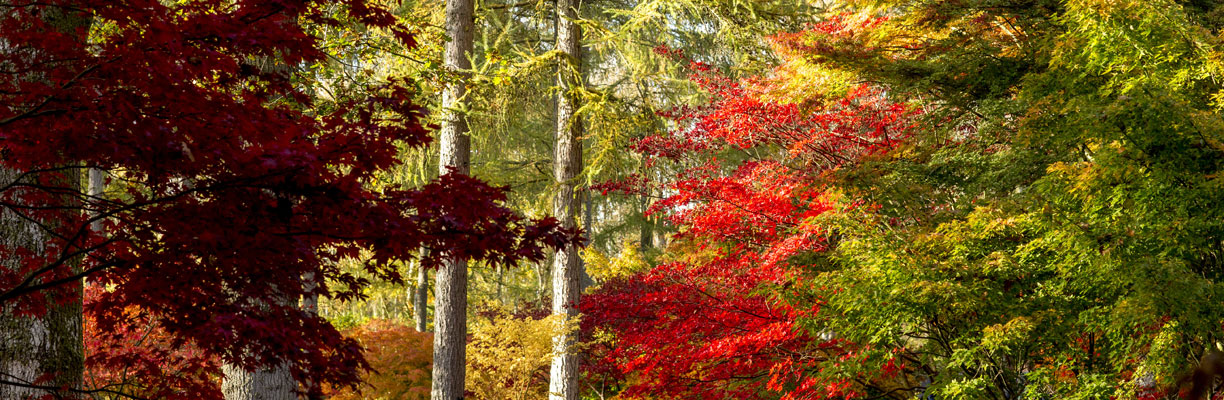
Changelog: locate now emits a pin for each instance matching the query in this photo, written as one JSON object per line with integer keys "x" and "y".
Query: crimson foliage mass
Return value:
{"x": 228, "y": 182}
{"x": 743, "y": 174}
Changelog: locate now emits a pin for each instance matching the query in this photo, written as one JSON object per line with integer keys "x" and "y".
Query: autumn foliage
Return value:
{"x": 714, "y": 323}
{"x": 400, "y": 360}
{"x": 971, "y": 199}
{"x": 230, "y": 181}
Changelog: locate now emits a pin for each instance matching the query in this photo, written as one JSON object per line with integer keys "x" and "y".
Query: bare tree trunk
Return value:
{"x": 450, "y": 292}
{"x": 267, "y": 382}
{"x": 420, "y": 299}
{"x": 646, "y": 234}
{"x": 567, "y": 164}
{"x": 271, "y": 383}
{"x": 97, "y": 186}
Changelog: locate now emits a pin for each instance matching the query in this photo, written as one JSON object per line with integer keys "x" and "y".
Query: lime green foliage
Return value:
{"x": 1054, "y": 229}
{"x": 602, "y": 268}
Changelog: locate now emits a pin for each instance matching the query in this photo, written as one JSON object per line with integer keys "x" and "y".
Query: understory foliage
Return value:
{"x": 400, "y": 362}
{"x": 140, "y": 358}
{"x": 509, "y": 353}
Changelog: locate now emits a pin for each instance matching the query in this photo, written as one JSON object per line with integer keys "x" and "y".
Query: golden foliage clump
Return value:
{"x": 508, "y": 355}
{"x": 401, "y": 359}
{"x": 602, "y": 268}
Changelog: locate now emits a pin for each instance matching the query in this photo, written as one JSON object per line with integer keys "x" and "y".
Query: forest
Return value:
{"x": 611, "y": 199}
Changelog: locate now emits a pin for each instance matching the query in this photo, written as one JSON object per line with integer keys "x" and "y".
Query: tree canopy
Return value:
{"x": 857, "y": 199}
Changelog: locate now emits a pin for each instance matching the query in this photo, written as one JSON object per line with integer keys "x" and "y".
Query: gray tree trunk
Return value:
{"x": 646, "y": 232}
{"x": 567, "y": 164}
{"x": 34, "y": 347}
{"x": 51, "y": 345}
{"x": 270, "y": 383}
{"x": 450, "y": 291}
{"x": 420, "y": 299}
{"x": 97, "y": 186}
{"x": 273, "y": 382}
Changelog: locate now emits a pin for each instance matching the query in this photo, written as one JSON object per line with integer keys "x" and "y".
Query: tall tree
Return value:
{"x": 40, "y": 354}
{"x": 265, "y": 382}
{"x": 450, "y": 339}
{"x": 567, "y": 165}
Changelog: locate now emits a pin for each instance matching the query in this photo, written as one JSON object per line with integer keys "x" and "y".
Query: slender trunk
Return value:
{"x": 97, "y": 185}
{"x": 500, "y": 282}
{"x": 646, "y": 234}
{"x": 420, "y": 299}
{"x": 450, "y": 297}
{"x": 567, "y": 164}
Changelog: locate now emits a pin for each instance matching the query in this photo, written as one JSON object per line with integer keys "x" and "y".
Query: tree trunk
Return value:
{"x": 567, "y": 164}
{"x": 97, "y": 186}
{"x": 47, "y": 350}
{"x": 420, "y": 299}
{"x": 269, "y": 383}
{"x": 273, "y": 382}
{"x": 450, "y": 291}
{"x": 36, "y": 347}
{"x": 646, "y": 234}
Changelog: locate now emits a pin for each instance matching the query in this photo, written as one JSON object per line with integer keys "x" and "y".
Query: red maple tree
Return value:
{"x": 229, "y": 182}
{"x": 720, "y": 322}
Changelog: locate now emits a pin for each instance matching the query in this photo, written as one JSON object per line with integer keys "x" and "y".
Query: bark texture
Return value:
{"x": 450, "y": 291}
{"x": 567, "y": 164}
{"x": 265, "y": 382}
{"x": 97, "y": 187}
{"x": 420, "y": 299}
{"x": 274, "y": 383}
{"x": 34, "y": 347}
{"x": 270, "y": 382}
{"x": 48, "y": 350}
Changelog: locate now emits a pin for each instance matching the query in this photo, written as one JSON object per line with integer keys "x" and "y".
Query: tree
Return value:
{"x": 1014, "y": 239}
{"x": 420, "y": 300}
{"x": 44, "y": 349}
{"x": 272, "y": 381}
{"x": 567, "y": 164}
{"x": 723, "y": 319}
{"x": 232, "y": 179}
{"x": 1022, "y": 242}
{"x": 450, "y": 322}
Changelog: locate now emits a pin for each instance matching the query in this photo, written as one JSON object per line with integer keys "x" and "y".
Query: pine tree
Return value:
{"x": 450, "y": 340}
